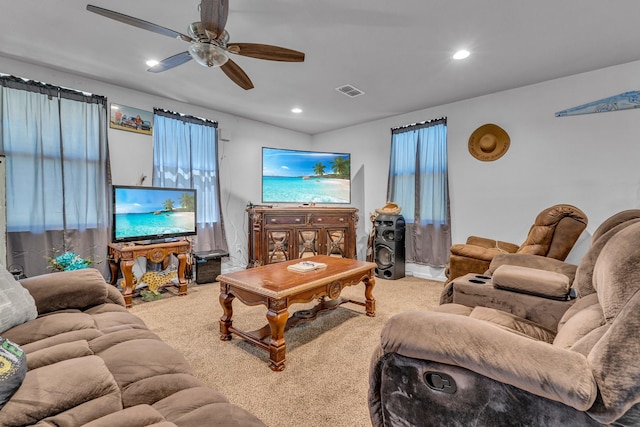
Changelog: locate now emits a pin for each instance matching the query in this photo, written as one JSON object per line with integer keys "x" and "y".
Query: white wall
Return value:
{"x": 131, "y": 153}
{"x": 589, "y": 161}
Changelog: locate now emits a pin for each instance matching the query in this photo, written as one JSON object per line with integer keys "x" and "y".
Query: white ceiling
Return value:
{"x": 398, "y": 53}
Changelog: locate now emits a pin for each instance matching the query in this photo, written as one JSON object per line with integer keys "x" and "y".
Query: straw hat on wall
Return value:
{"x": 489, "y": 142}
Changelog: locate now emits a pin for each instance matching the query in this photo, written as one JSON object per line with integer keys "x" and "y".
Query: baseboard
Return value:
{"x": 425, "y": 272}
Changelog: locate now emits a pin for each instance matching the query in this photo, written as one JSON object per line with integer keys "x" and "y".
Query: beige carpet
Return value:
{"x": 325, "y": 382}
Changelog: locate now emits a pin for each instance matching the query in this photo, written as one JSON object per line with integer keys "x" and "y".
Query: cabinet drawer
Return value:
{"x": 329, "y": 219}
{"x": 284, "y": 219}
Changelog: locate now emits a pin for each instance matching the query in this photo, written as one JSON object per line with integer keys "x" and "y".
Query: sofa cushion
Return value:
{"x": 616, "y": 277}
{"x": 135, "y": 416}
{"x": 147, "y": 370}
{"x": 77, "y": 289}
{"x": 532, "y": 281}
{"x": 13, "y": 368}
{"x": 57, "y": 353}
{"x": 52, "y": 325}
{"x": 187, "y": 408}
{"x": 579, "y": 325}
{"x": 70, "y": 392}
{"x": 512, "y": 322}
{"x": 16, "y": 304}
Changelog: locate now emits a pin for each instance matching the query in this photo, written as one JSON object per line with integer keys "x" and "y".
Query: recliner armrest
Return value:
{"x": 501, "y": 246}
{"x": 537, "y": 367}
{"x": 475, "y": 252}
{"x": 543, "y": 283}
{"x": 533, "y": 261}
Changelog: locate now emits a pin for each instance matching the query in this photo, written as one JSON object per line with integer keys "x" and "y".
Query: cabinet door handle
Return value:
{"x": 273, "y": 220}
{"x": 319, "y": 220}
{"x": 297, "y": 219}
{"x": 341, "y": 220}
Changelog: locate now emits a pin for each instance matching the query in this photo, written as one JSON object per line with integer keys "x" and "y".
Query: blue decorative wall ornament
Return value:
{"x": 624, "y": 101}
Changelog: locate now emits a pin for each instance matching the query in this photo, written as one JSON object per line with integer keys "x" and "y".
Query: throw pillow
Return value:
{"x": 16, "y": 303}
{"x": 13, "y": 368}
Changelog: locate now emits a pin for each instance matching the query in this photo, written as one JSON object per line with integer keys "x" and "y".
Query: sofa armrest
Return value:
{"x": 537, "y": 367}
{"x": 533, "y": 261}
{"x": 76, "y": 289}
{"x": 475, "y": 252}
{"x": 543, "y": 283}
{"x": 499, "y": 245}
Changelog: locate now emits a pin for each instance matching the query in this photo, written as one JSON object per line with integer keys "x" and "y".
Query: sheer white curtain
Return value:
{"x": 418, "y": 182}
{"x": 55, "y": 144}
{"x": 185, "y": 155}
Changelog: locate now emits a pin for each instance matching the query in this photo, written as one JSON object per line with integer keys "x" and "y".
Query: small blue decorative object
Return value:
{"x": 69, "y": 261}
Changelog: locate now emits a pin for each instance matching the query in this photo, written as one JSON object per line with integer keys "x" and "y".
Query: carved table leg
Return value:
{"x": 127, "y": 280}
{"x": 182, "y": 263}
{"x": 370, "y": 304}
{"x": 113, "y": 269}
{"x": 226, "y": 300}
{"x": 277, "y": 317}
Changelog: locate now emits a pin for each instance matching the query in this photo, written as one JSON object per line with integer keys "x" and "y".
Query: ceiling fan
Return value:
{"x": 209, "y": 42}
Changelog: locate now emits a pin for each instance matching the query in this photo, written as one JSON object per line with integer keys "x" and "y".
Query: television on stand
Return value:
{"x": 305, "y": 177}
{"x": 152, "y": 214}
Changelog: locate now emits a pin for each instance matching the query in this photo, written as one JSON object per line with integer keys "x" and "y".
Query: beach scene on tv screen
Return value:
{"x": 151, "y": 212}
{"x": 290, "y": 176}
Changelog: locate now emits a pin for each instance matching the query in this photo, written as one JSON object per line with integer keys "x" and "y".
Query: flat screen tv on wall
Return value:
{"x": 297, "y": 176}
{"x": 152, "y": 213}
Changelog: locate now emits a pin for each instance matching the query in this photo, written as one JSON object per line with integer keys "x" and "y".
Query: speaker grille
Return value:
{"x": 389, "y": 246}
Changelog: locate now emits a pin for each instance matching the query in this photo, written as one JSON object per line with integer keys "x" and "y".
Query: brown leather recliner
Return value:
{"x": 553, "y": 234}
{"x": 484, "y": 366}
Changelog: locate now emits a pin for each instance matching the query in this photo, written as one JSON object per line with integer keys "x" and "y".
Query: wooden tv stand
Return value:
{"x": 288, "y": 233}
{"x": 124, "y": 255}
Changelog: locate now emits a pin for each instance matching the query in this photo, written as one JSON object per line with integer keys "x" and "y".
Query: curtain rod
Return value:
{"x": 185, "y": 117}
{"x": 50, "y": 90}
{"x": 413, "y": 126}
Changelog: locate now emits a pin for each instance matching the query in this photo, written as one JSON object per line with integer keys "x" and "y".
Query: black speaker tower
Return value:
{"x": 389, "y": 246}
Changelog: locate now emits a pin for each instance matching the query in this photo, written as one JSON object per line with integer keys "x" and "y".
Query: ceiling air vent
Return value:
{"x": 350, "y": 91}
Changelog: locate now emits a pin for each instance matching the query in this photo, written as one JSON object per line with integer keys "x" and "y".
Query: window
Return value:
{"x": 418, "y": 182}
{"x": 185, "y": 155}
{"x": 55, "y": 144}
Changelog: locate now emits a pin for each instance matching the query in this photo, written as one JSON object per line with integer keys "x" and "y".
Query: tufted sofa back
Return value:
{"x": 603, "y": 325}
{"x": 583, "y": 282}
{"x": 554, "y": 232}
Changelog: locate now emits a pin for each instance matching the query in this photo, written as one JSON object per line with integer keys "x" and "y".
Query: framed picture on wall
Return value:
{"x": 131, "y": 119}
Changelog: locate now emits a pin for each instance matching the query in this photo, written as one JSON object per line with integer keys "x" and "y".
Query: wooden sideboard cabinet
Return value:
{"x": 281, "y": 234}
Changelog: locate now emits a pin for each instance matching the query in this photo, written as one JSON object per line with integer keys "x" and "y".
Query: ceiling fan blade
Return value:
{"x": 265, "y": 51}
{"x": 138, "y": 23}
{"x": 171, "y": 62}
{"x": 235, "y": 73}
{"x": 213, "y": 14}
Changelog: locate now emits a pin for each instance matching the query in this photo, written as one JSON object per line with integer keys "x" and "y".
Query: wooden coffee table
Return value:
{"x": 278, "y": 288}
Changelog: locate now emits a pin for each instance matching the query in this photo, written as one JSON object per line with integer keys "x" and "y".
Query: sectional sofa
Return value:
{"x": 92, "y": 363}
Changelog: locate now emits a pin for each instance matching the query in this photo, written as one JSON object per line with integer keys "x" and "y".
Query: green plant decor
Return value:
{"x": 148, "y": 295}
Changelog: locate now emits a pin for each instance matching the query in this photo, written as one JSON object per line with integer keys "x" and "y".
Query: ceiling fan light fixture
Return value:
{"x": 208, "y": 54}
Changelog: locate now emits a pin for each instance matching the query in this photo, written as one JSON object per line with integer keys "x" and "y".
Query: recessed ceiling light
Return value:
{"x": 152, "y": 63}
{"x": 461, "y": 54}
{"x": 296, "y": 110}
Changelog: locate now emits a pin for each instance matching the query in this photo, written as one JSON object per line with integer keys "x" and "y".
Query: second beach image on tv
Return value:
{"x": 292, "y": 176}
{"x": 145, "y": 212}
